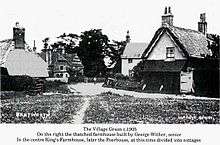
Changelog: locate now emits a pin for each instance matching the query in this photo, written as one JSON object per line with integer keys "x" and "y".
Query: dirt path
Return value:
{"x": 94, "y": 89}
{"x": 78, "y": 118}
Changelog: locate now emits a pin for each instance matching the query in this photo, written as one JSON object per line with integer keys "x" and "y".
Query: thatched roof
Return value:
{"x": 21, "y": 61}
{"x": 193, "y": 43}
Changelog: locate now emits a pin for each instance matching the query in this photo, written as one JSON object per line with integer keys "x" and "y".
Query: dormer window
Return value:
{"x": 170, "y": 53}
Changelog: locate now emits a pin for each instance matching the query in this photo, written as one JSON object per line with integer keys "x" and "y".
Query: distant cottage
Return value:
{"x": 62, "y": 65}
{"x": 131, "y": 55}
{"x": 177, "y": 60}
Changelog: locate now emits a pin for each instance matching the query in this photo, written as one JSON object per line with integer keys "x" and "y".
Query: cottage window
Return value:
{"x": 61, "y": 67}
{"x": 170, "y": 52}
{"x": 130, "y": 60}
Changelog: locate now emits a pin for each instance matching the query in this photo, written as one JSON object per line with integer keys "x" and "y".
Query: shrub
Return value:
{"x": 120, "y": 76}
{"x": 16, "y": 83}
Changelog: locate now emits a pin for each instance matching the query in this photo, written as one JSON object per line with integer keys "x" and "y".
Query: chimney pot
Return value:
{"x": 167, "y": 18}
{"x": 165, "y": 12}
{"x": 169, "y": 10}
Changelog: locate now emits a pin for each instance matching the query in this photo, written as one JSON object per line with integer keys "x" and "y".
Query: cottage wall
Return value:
{"x": 159, "y": 50}
{"x": 129, "y": 66}
{"x": 163, "y": 82}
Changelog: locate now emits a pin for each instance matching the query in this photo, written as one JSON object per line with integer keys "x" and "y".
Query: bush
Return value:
{"x": 120, "y": 76}
{"x": 16, "y": 83}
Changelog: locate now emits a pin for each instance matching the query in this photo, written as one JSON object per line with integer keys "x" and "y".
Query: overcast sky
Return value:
{"x": 50, "y": 18}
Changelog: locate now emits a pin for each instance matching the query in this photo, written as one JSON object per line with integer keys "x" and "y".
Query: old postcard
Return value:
{"x": 110, "y": 72}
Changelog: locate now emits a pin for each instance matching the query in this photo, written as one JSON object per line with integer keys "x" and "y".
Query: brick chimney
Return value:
{"x": 202, "y": 24}
{"x": 167, "y": 18}
{"x": 18, "y": 36}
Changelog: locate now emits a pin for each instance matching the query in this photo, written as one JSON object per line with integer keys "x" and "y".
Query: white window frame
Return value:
{"x": 170, "y": 52}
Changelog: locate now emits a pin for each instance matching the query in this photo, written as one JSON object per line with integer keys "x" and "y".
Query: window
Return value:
{"x": 61, "y": 67}
{"x": 130, "y": 73}
{"x": 170, "y": 52}
{"x": 130, "y": 60}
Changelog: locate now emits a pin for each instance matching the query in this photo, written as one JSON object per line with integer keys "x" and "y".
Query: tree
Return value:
{"x": 46, "y": 41}
{"x": 115, "y": 51}
{"x": 214, "y": 45}
{"x": 92, "y": 49}
{"x": 67, "y": 41}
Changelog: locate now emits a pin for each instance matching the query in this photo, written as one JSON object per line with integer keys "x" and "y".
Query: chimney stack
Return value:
{"x": 202, "y": 24}
{"x": 18, "y": 36}
{"x": 167, "y": 18}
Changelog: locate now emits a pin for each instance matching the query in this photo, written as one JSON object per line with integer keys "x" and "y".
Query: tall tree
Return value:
{"x": 67, "y": 41}
{"x": 115, "y": 50}
{"x": 92, "y": 48}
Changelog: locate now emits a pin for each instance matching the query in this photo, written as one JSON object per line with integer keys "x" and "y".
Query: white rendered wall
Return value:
{"x": 128, "y": 66}
{"x": 159, "y": 50}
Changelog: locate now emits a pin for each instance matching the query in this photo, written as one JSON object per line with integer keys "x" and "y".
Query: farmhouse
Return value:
{"x": 131, "y": 55}
{"x": 62, "y": 65}
{"x": 177, "y": 60}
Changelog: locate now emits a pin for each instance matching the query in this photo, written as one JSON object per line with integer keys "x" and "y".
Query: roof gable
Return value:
{"x": 192, "y": 43}
{"x": 158, "y": 51}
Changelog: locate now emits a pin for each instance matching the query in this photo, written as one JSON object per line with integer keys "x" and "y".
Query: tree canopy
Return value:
{"x": 67, "y": 42}
{"x": 92, "y": 48}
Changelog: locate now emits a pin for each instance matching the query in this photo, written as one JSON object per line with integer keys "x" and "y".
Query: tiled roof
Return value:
{"x": 74, "y": 60}
{"x": 193, "y": 43}
{"x": 134, "y": 50}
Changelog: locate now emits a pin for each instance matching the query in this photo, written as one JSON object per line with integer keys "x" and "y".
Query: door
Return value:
{"x": 186, "y": 82}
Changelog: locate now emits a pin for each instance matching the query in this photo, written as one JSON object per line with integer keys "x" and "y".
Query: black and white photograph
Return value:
{"x": 109, "y": 62}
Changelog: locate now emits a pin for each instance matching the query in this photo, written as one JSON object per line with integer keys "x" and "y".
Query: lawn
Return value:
{"x": 56, "y": 108}
{"x": 113, "y": 108}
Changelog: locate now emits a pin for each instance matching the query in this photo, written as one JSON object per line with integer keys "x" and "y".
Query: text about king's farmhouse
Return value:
{"x": 109, "y": 134}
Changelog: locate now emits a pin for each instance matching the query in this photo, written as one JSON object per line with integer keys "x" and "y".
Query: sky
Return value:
{"x": 50, "y": 18}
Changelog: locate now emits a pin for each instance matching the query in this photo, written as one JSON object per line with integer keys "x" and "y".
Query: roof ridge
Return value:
{"x": 186, "y": 29}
